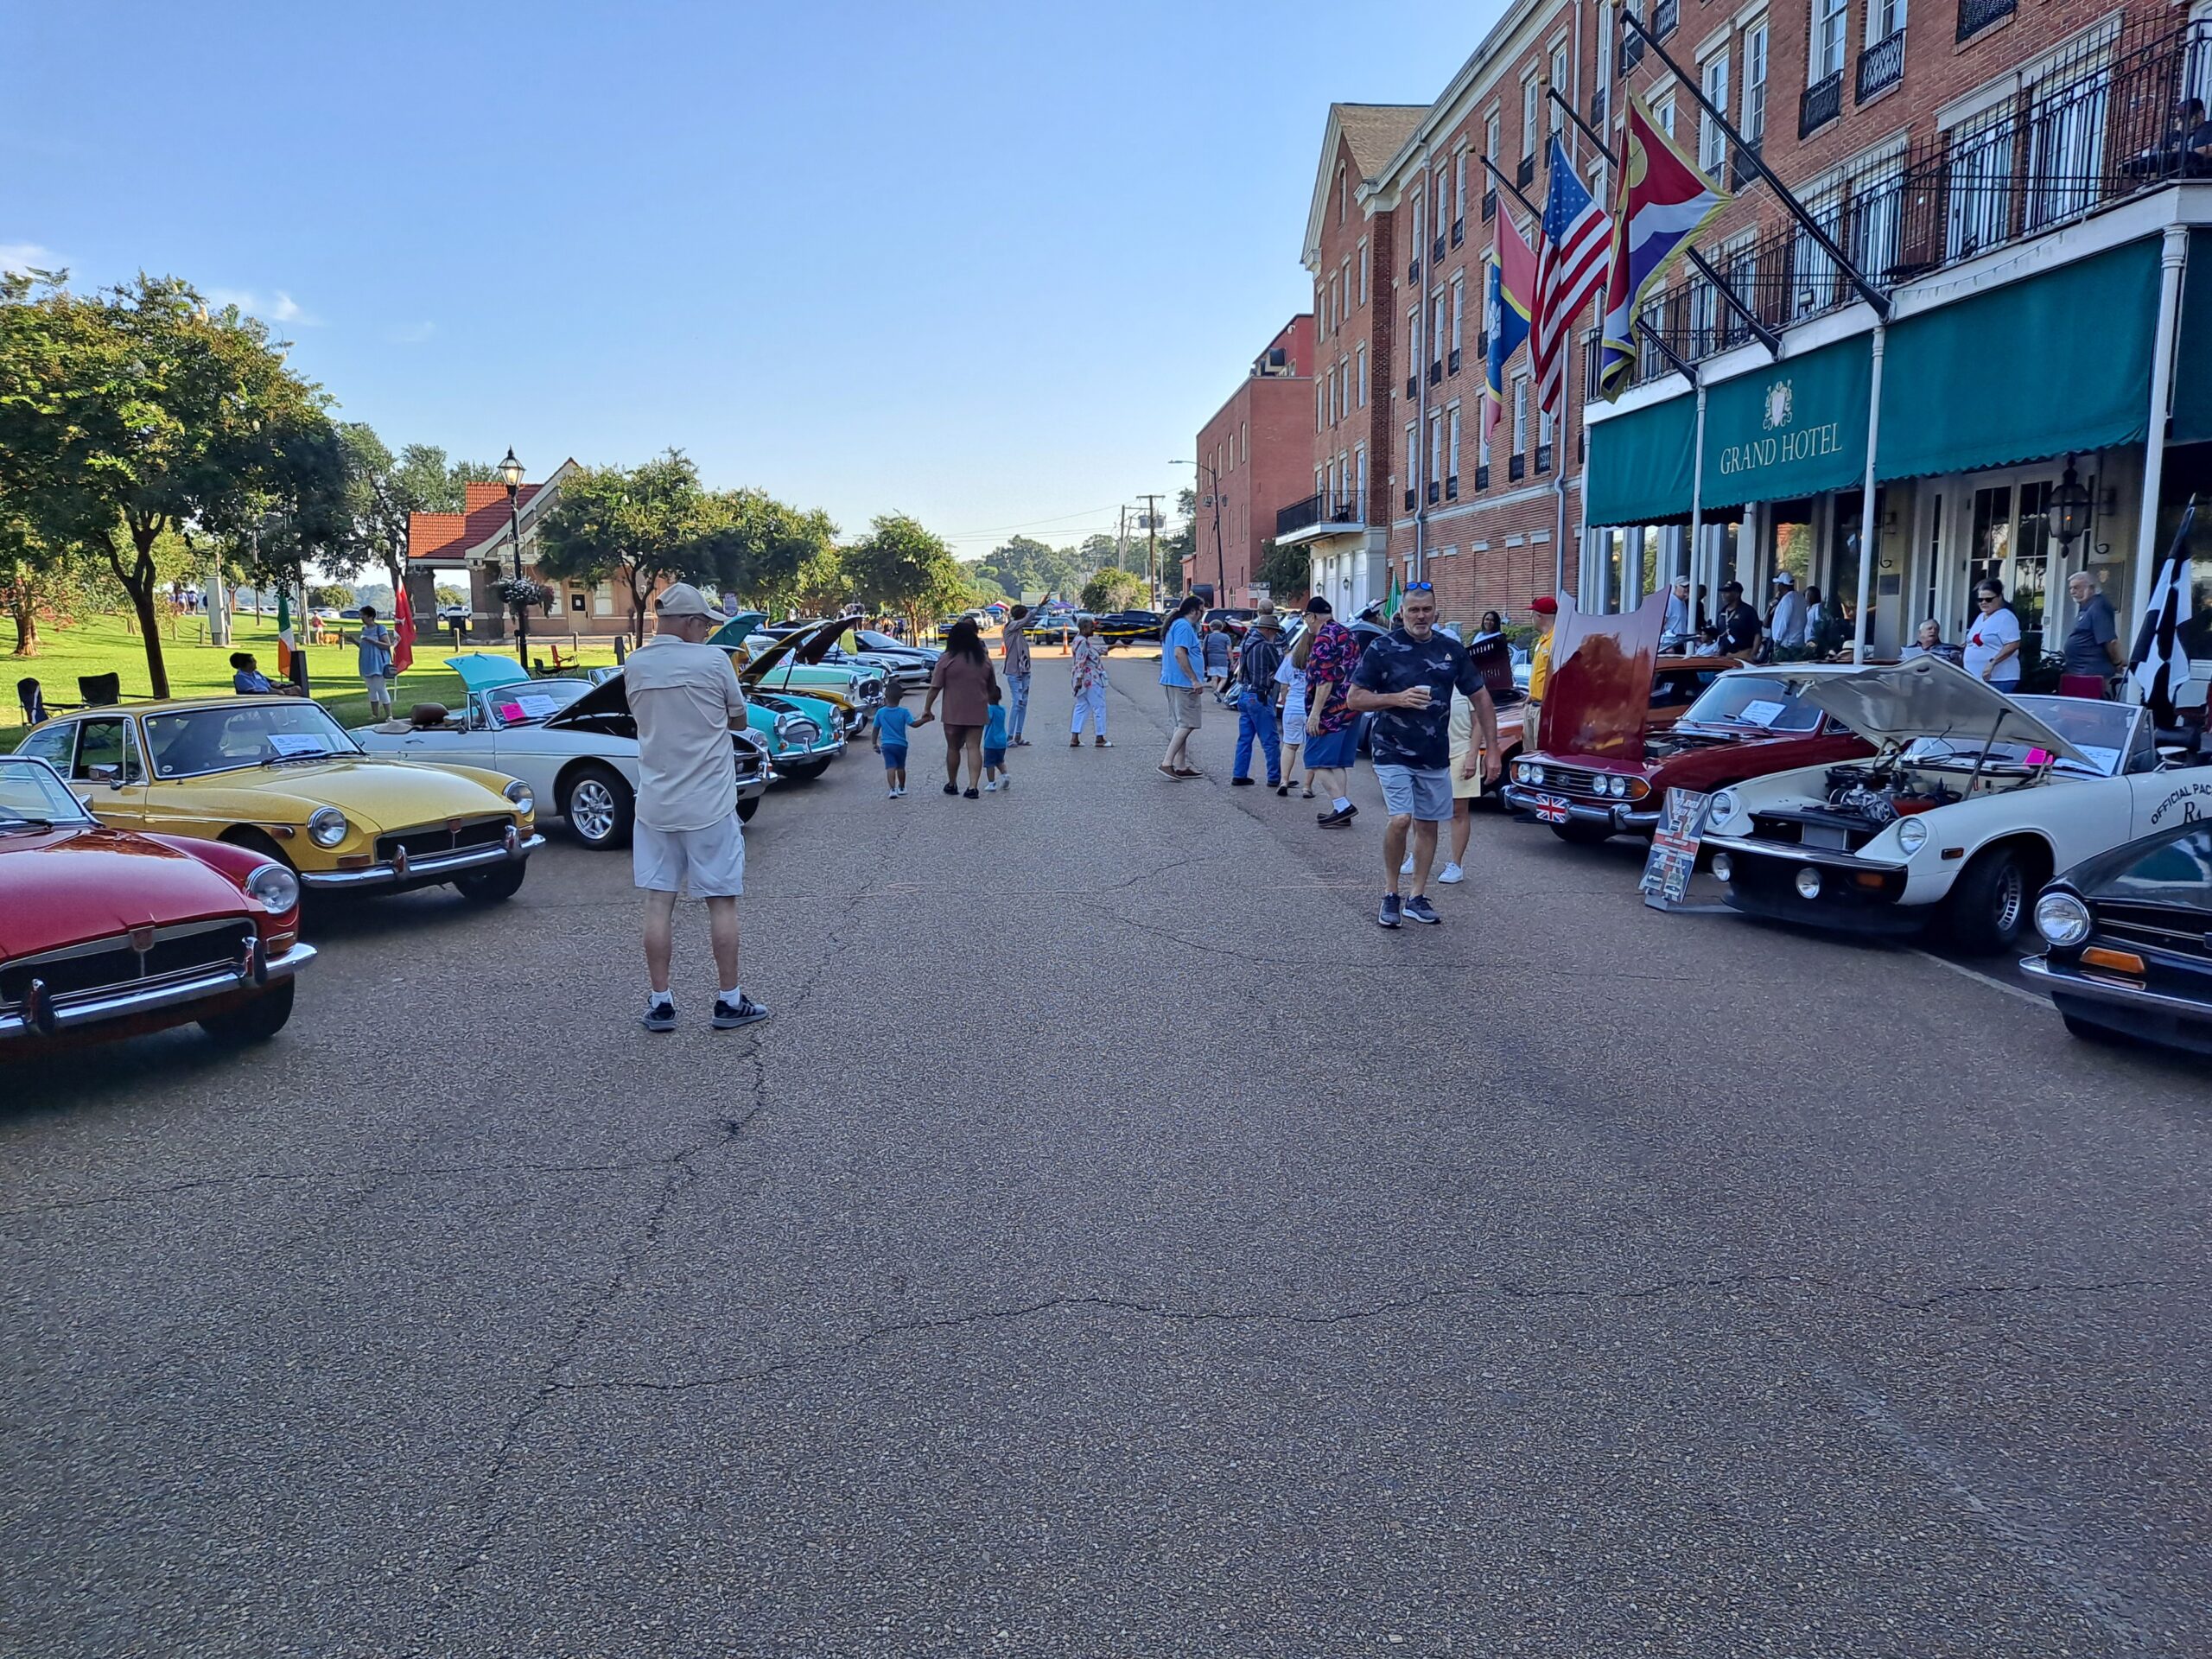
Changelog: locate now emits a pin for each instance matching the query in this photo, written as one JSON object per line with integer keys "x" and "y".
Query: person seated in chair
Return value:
{"x": 247, "y": 679}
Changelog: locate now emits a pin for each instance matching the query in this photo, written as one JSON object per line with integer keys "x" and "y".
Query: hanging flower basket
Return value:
{"x": 521, "y": 593}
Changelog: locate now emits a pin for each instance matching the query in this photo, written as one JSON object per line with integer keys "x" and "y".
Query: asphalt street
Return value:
{"x": 1115, "y": 1245}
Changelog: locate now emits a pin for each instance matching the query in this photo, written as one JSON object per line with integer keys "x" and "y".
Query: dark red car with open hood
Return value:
{"x": 1609, "y": 757}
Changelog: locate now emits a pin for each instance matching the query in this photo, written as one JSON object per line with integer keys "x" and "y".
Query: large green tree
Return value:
{"x": 760, "y": 547}
{"x": 1113, "y": 589}
{"x": 136, "y": 414}
{"x": 902, "y": 567}
{"x": 639, "y": 526}
{"x": 1021, "y": 565}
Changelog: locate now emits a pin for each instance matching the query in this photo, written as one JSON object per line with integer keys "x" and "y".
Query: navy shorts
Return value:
{"x": 1331, "y": 751}
{"x": 994, "y": 756}
{"x": 894, "y": 756}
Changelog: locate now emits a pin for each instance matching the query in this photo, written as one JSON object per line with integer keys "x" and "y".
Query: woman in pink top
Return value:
{"x": 1087, "y": 663}
{"x": 963, "y": 678}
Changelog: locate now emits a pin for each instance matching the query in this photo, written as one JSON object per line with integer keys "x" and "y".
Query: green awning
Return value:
{"x": 2060, "y": 362}
{"x": 1794, "y": 427}
{"x": 1638, "y": 472}
{"x": 2192, "y": 406}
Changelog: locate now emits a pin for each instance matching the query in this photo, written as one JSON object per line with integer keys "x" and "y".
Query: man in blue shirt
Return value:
{"x": 1406, "y": 679}
{"x": 1182, "y": 669}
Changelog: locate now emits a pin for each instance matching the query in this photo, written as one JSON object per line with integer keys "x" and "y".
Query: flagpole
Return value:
{"x": 1697, "y": 516}
{"x": 1866, "y": 492}
{"x": 2172, "y": 254}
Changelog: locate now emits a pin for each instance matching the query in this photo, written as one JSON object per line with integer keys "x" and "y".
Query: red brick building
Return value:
{"x": 2006, "y": 174}
{"x": 1252, "y": 462}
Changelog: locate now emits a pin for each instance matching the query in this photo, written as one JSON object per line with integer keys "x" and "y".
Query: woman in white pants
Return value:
{"x": 1087, "y": 659}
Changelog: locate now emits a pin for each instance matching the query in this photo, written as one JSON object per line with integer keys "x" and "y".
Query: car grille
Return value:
{"x": 443, "y": 838}
{"x": 1566, "y": 780}
{"x": 2179, "y": 931}
{"x": 102, "y": 965}
{"x": 1836, "y": 832}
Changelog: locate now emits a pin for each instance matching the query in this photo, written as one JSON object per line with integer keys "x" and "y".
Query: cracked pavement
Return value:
{"x": 1115, "y": 1245}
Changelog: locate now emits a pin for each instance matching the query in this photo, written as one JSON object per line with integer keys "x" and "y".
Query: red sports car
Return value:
{"x": 1604, "y": 770}
{"x": 104, "y": 933}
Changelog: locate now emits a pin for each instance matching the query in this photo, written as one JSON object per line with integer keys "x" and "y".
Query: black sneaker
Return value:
{"x": 660, "y": 1016}
{"x": 1330, "y": 818}
{"x": 1388, "y": 916}
{"x": 972, "y": 795}
{"x": 743, "y": 1011}
{"x": 1418, "y": 909}
{"x": 952, "y": 789}
{"x": 1240, "y": 783}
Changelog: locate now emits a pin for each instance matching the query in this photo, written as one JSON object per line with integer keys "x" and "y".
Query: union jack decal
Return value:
{"x": 1552, "y": 809}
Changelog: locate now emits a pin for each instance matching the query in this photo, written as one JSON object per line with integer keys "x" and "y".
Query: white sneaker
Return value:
{"x": 1407, "y": 868}
{"x": 1453, "y": 873}
{"x": 990, "y": 789}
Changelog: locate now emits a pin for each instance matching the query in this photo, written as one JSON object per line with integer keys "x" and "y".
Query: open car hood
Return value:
{"x": 742, "y": 626}
{"x": 1598, "y": 699}
{"x": 479, "y": 672}
{"x": 1925, "y": 697}
{"x": 813, "y": 645}
{"x": 590, "y": 711}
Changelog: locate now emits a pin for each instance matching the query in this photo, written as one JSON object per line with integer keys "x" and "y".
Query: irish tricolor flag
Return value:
{"x": 285, "y": 644}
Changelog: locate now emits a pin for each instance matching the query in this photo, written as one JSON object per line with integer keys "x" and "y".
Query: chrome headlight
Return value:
{"x": 1616, "y": 786}
{"x": 1724, "y": 806}
{"x": 2062, "y": 919}
{"x": 520, "y": 793}
{"x": 1912, "y": 836}
{"x": 327, "y": 826}
{"x": 275, "y": 888}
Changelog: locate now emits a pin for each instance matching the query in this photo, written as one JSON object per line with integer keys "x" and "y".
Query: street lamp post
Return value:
{"x": 510, "y": 476}
{"x": 1211, "y": 480}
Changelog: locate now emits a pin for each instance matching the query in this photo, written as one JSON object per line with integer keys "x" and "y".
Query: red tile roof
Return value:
{"x": 447, "y": 535}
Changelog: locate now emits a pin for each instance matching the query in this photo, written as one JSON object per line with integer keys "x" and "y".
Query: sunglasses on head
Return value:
{"x": 1421, "y": 586}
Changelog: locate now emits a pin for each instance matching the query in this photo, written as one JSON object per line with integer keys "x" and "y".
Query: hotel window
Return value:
{"x": 1532, "y": 100}
{"x": 1876, "y": 204}
{"x": 1359, "y": 462}
{"x": 1562, "y": 82}
{"x": 1416, "y": 253}
{"x": 1704, "y": 316}
{"x": 1359, "y": 375}
{"x": 1412, "y": 342}
{"x": 2066, "y": 144}
{"x": 1436, "y": 450}
{"x": 1436, "y": 325}
{"x": 1451, "y": 454}
{"x": 1459, "y": 187}
{"x": 1363, "y": 270}
{"x": 1520, "y": 414}
{"x": 1321, "y": 404}
{"x": 1815, "y": 283}
{"x": 1980, "y": 179}
{"x": 1458, "y": 316}
{"x": 1753, "y": 124}
{"x": 1413, "y": 457}
{"x": 1824, "y": 53}
{"x": 1712, "y": 144}
{"x": 1244, "y": 442}
{"x": 1343, "y": 293}
{"x": 1664, "y": 110}
{"x": 1884, "y": 19}
{"x": 1482, "y": 434}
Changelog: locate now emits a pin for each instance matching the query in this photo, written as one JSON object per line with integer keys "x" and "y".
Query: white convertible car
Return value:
{"x": 573, "y": 742}
{"x": 1973, "y": 801}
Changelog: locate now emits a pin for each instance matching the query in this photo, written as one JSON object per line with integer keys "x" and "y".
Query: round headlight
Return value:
{"x": 1723, "y": 867}
{"x": 1536, "y": 774}
{"x": 275, "y": 888}
{"x": 1723, "y": 807}
{"x": 2062, "y": 918}
{"x": 1912, "y": 835}
{"x": 327, "y": 826}
{"x": 1616, "y": 786}
{"x": 1808, "y": 883}
{"x": 520, "y": 793}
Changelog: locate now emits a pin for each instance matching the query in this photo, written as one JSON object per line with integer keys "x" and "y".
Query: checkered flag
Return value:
{"x": 2159, "y": 664}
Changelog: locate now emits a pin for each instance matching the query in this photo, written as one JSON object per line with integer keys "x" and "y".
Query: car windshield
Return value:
{"x": 2103, "y": 731}
{"x": 528, "y": 702}
{"x": 196, "y": 741}
{"x": 32, "y": 795}
{"x": 1751, "y": 703}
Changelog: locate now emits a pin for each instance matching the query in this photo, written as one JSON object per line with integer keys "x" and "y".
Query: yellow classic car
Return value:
{"x": 278, "y": 774}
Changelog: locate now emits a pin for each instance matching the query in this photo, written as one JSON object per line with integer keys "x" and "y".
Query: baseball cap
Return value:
{"x": 1318, "y": 606}
{"x": 1784, "y": 579}
{"x": 1545, "y": 606}
{"x": 682, "y": 599}
{"x": 1731, "y": 586}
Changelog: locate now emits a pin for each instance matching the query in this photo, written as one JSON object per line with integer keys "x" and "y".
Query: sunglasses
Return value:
{"x": 1987, "y": 598}
{"x": 1421, "y": 586}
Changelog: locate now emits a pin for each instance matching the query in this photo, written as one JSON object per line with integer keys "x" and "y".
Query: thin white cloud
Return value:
{"x": 28, "y": 255}
{"x": 276, "y": 306}
{"x": 409, "y": 333}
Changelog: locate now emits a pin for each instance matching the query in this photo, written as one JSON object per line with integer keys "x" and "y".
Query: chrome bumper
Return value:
{"x": 2060, "y": 981}
{"x": 41, "y": 1015}
{"x": 1612, "y": 815}
{"x": 439, "y": 867}
{"x": 1829, "y": 856}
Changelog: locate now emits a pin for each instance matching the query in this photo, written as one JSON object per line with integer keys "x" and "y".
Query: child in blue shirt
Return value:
{"x": 996, "y": 776}
{"x": 892, "y": 722}
{"x": 248, "y": 681}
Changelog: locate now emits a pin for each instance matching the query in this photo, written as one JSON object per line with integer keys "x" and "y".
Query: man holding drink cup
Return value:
{"x": 1406, "y": 680}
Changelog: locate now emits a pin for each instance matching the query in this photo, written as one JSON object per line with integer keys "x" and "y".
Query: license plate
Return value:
{"x": 1552, "y": 809}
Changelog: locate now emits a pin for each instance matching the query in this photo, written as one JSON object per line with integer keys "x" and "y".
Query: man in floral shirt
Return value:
{"x": 1331, "y": 653}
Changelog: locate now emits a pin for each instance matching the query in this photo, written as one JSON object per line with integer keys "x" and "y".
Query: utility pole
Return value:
{"x": 1152, "y": 545}
{"x": 1121, "y": 540}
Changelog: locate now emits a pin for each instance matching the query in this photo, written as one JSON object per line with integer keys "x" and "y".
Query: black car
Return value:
{"x": 2130, "y": 937}
{"x": 1130, "y": 628}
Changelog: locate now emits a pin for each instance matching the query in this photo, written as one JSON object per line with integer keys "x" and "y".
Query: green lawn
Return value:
{"x": 101, "y": 644}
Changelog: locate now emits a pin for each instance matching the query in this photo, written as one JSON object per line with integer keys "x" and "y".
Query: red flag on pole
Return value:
{"x": 402, "y": 628}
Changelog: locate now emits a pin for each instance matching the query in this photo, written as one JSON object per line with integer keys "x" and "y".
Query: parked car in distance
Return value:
{"x": 1130, "y": 628}
{"x": 105, "y": 933}
{"x": 1970, "y": 802}
{"x": 2128, "y": 940}
{"x": 278, "y": 776}
{"x": 449, "y": 615}
{"x": 575, "y": 746}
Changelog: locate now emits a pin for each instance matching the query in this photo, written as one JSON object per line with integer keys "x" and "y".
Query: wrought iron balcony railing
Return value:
{"x": 1452, "y": 363}
{"x": 1525, "y": 175}
{"x": 1543, "y": 458}
{"x": 1325, "y": 507}
{"x": 1516, "y": 469}
{"x": 1822, "y": 103}
{"x": 1435, "y": 373}
{"x": 1435, "y": 491}
{"x": 1489, "y": 205}
{"x": 1881, "y": 66}
{"x": 1975, "y": 16}
{"x": 1410, "y": 497}
{"x": 1452, "y": 486}
{"x": 1481, "y": 476}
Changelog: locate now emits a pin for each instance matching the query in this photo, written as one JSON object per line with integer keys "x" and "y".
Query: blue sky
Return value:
{"x": 991, "y": 264}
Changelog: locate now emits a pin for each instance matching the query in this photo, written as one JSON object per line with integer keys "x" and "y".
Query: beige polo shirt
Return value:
{"x": 684, "y": 697}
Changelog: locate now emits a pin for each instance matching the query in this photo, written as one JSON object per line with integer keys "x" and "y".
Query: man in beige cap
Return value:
{"x": 686, "y": 700}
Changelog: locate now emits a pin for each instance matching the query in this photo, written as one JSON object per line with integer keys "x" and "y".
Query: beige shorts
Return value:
{"x": 707, "y": 863}
{"x": 1182, "y": 706}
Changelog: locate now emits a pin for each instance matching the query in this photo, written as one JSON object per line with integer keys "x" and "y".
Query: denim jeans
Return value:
{"x": 1256, "y": 716}
{"x": 1017, "y": 704}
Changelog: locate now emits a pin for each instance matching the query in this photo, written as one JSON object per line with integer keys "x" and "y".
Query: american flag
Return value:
{"x": 1551, "y": 809}
{"x": 2159, "y": 664}
{"x": 1570, "y": 269}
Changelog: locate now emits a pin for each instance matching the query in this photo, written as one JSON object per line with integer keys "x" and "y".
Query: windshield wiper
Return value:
{"x": 11, "y": 821}
{"x": 286, "y": 759}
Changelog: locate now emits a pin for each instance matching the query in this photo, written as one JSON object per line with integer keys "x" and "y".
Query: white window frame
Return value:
{"x": 1562, "y": 77}
{"x": 1459, "y": 188}
{"x": 1712, "y": 142}
{"x": 1413, "y": 459}
{"x": 1459, "y": 313}
{"x": 1828, "y": 42}
{"x": 1884, "y": 19}
{"x": 1364, "y": 263}
{"x": 1451, "y": 448}
{"x": 1751, "y": 121}
{"x": 1359, "y": 375}
{"x": 1521, "y": 412}
{"x": 1532, "y": 102}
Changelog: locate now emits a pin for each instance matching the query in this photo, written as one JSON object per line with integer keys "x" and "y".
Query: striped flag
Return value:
{"x": 1660, "y": 201}
{"x": 1572, "y": 259}
{"x": 1509, "y": 294}
{"x": 2159, "y": 664}
{"x": 286, "y": 645}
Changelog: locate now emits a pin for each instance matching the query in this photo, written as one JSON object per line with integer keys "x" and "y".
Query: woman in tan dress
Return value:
{"x": 963, "y": 678}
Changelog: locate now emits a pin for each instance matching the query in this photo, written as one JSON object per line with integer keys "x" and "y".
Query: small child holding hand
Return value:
{"x": 889, "y": 739}
{"x": 996, "y": 776}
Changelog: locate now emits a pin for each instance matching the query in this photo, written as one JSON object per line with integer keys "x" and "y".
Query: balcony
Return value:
{"x": 1436, "y": 250}
{"x": 1822, "y": 103}
{"x": 1458, "y": 233}
{"x": 1975, "y": 16}
{"x": 1435, "y": 374}
{"x": 1516, "y": 469}
{"x": 1881, "y": 66}
{"x": 1743, "y": 166}
{"x": 1664, "y": 15}
{"x": 1452, "y": 363}
{"x": 1543, "y": 458}
{"x": 1412, "y": 385}
{"x": 1525, "y": 175}
{"x": 1489, "y": 205}
{"x": 1452, "y": 486}
{"x": 1324, "y": 511}
{"x": 1435, "y": 491}
{"x": 1411, "y": 496}
{"x": 1481, "y": 476}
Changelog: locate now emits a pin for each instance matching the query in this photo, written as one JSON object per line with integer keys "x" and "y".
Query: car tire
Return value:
{"x": 599, "y": 806}
{"x": 1582, "y": 835}
{"x": 494, "y": 886}
{"x": 746, "y": 808}
{"x": 256, "y": 1021}
{"x": 1987, "y": 909}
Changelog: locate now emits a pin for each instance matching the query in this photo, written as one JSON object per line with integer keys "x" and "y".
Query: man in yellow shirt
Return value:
{"x": 1540, "y": 670}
